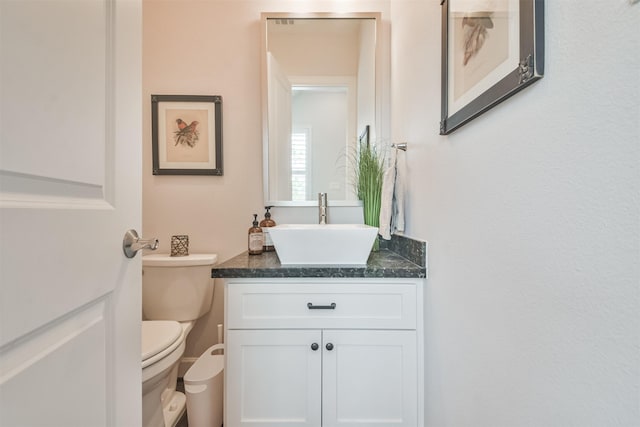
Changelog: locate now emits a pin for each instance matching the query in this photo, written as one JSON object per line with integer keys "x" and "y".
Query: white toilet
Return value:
{"x": 175, "y": 292}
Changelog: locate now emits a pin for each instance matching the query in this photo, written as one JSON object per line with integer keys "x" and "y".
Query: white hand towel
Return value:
{"x": 386, "y": 198}
{"x": 399, "y": 191}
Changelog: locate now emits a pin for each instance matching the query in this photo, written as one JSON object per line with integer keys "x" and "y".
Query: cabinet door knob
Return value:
{"x": 329, "y": 346}
{"x": 314, "y": 346}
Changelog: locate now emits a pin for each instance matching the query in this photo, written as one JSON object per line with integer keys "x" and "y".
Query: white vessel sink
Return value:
{"x": 345, "y": 244}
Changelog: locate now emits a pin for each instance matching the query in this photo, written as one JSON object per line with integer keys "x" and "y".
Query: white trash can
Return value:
{"x": 203, "y": 385}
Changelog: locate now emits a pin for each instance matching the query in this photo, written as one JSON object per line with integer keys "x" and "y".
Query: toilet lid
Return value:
{"x": 166, "y": 260}
{"x": 158, "y": 335}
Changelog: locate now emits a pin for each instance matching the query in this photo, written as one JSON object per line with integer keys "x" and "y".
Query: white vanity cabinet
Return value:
{"x": 323, "y": 352}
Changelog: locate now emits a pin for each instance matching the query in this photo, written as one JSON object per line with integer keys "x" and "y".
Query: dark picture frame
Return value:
{"x": 487, "y": 56}
{"x": 186, "y": 134}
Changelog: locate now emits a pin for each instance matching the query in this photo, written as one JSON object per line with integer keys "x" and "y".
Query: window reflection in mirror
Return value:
{"x": 320, "y": 90}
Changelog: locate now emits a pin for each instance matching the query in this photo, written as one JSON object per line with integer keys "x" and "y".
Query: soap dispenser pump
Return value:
{"x": 265, "y": 224}
{"x": 256, "y": 237}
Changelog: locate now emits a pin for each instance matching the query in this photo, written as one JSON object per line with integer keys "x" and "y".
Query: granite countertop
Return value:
{"x": 384, "y": 263}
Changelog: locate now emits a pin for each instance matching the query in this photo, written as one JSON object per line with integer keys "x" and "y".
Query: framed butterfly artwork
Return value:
{"x": 491, "y": 49}
{"x": 186, "y": 134}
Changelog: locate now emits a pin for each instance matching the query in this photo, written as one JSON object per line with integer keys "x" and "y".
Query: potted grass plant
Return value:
{"x": 369, "y": 171}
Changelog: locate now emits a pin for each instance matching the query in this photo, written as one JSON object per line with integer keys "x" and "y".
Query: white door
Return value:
{"x": 70, "y": 186}
{"x": 274, "y": 378}
{"x": 279, "y": 113}
{"x": 369, "y": 378}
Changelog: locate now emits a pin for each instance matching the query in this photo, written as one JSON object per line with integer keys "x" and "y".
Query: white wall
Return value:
{"x": 531, "y": 213}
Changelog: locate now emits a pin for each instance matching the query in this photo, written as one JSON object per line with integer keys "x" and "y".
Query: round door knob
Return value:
{"x": 314, "y": 346}
{"x": 329, "y": 346}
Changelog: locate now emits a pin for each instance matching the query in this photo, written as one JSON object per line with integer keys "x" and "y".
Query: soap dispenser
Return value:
{"x": 256, "y": 237}
{"x": 265, "y": 224}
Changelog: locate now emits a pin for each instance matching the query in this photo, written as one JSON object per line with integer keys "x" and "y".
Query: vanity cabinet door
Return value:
{"x": 369, "y": 378}
{"x": 273, "y": 378}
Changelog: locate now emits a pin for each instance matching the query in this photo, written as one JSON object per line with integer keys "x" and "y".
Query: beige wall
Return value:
{"x": 213, "y": 48}
{"x": 205, "y": 48}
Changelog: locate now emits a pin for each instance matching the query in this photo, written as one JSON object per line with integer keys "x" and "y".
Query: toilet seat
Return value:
{"x": 159, "y": 338}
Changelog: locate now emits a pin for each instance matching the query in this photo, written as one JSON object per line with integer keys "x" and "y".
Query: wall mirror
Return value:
{"x": 319, "y": 96}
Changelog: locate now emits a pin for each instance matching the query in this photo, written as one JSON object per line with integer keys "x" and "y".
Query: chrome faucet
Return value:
{"x": 322, "y": 209}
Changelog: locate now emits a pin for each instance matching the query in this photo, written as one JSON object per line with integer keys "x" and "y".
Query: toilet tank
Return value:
{"x": 177, "y": 288}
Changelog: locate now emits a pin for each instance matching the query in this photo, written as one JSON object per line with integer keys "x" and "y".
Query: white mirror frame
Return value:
{"x": 375, "y": 127}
